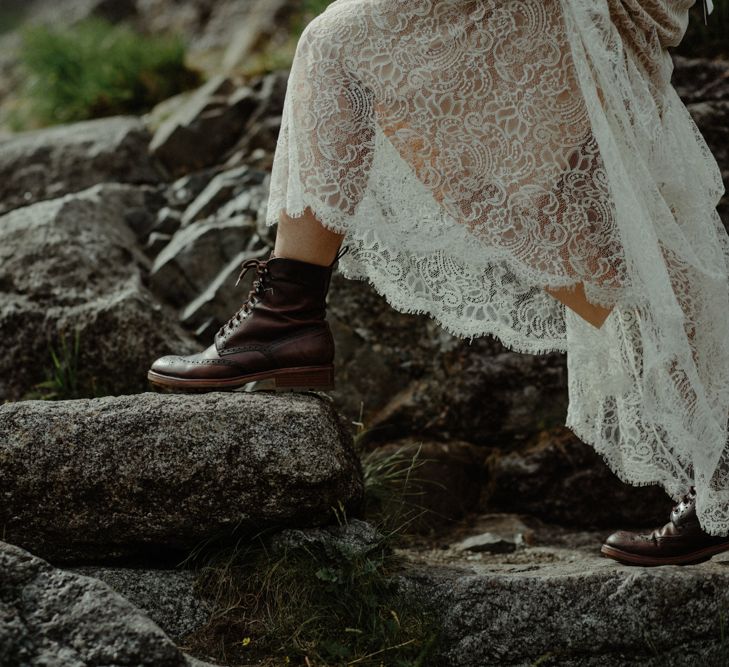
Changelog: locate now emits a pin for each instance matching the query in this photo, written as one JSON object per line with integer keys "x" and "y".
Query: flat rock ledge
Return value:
{"x": 131, "y": 476}
{"x": 555, "y": 600}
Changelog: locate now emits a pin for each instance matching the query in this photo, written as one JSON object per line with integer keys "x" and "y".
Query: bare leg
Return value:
{"x": 577, "y": 301}
{"x": 306, "y": 239}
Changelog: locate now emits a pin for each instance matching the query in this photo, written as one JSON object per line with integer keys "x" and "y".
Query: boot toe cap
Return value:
{"x": 622, "y": 539}
{"x": 168, "y": 365}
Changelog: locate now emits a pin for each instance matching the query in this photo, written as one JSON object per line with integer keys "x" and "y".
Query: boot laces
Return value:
{"x": 254, "y": 295}
{"x": 686, "y": 498}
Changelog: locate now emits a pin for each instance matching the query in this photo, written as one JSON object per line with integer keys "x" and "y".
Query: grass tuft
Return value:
{"x": 64, "y": 381}
{"x": 96, "y": 68}
{"x": 322, "y": 603}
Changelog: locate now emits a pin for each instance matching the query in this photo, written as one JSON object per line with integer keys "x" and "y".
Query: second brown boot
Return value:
{"x": 681, "y": 541}
{"x": 280, "y": 334}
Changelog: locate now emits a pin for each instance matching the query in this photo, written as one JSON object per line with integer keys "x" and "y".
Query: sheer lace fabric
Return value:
{"x": 475, "y": 152}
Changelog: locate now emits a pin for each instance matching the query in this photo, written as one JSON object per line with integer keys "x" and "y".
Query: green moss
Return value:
{"x": 98, "y": 69}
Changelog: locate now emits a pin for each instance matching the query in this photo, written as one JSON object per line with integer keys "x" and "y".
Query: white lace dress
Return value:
{"x": 477, "y": 151}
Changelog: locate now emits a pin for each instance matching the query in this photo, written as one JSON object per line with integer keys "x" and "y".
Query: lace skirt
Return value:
{"x": 475, "y": 152}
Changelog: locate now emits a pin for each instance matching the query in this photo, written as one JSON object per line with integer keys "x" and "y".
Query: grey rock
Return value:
{"x": 142, "y": 219}
{"x": 491, "y": 543}
{"x": 220, "y": 299}
{"x": 123, "y": 476}
{"x": 168, "y": 597}
{"x": 271, "y": 91}
{"x": 263, "y": 125}
{"x": 261, "y": 134}
{"x": 561, "y": 603}
{"x": 183, "y": 191}
{"x": 48, "y": 163}
{"x": 262, "y": 21}
{"x": 168, "y": 221}
{"x": 700, "y": 79}
{"x": 221, "y": 189}
{"x": 55, "y": 618}
{"x": 73, "y": 264}
{"x": 196, "y": 254}
{"x": 69, "y": 12}
{"x": 200, "y": 132}
{"x": 558, "y": 478}
{"x": 356, "y": 538}
{"x": 156, "y": 242}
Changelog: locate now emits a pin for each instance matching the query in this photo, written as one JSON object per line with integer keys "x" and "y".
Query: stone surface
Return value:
{"x": 48, "y": 163}
{"x": 557, "y": 601}
{"x": 263, "y": 19}
{"x": 204, "y": 127}
{"x": 701, "y": 80}
{"x": 224, "y": 187}
{"x": 196, "y": 254}
{"x": 356, "y": 538}
{"x": 73, "y": 264}
{"x": 559, "y": 478}
{"x": 168, "y": 597}
{"x": 495, "y": 532}
{"x": 221, "y": 298}
{"x": 183, "y": 191}
{"x": 142, "y": 475}
{"x": 489, "y": 542}
{"x": 55, "y": 618}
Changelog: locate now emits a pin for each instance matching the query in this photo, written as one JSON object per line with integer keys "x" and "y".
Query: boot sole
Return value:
{"x": 695, "y": 557}
{"x": 304, "y": 378}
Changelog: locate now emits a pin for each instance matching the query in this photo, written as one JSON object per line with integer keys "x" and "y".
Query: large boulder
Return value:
{"x": 558, "y": 478}
{"x": 72, "y": 264}
{"x": 48, "y": 163}
{"x": 168, "y": 596}
{"x": 204, "y": 126}
{"x": 53, "y": 618}
{"x": 121, "y": 476}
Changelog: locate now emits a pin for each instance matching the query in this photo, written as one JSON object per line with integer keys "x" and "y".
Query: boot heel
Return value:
{"x": 318, "y": 378}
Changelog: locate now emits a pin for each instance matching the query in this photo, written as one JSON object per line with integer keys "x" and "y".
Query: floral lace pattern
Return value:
{"x": 475, "y": 152}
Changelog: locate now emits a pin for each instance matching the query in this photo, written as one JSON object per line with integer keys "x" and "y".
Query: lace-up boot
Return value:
{"x": 280, "y": 334}
{"x": 681, "y": 541}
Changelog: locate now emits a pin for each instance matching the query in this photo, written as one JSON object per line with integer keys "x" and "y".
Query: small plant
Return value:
{"x": 63, "y": 379}
{"x": 98, "y": 69}
{"x": 317, "y": 608}
{"x": 309, "y": 606}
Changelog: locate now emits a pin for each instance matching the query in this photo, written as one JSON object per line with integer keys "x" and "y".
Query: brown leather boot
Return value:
{"x": 680, "y": 542}
{"x": 280, "y": 333}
